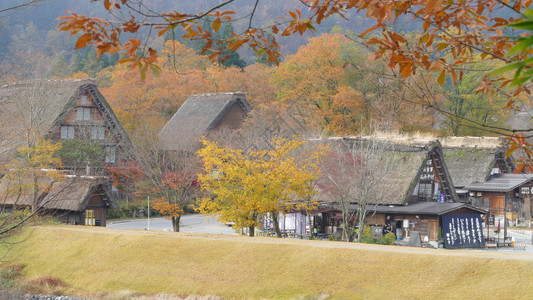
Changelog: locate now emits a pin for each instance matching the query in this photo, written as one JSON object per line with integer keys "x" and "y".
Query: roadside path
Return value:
{"x": 502, "y": 253}
{"x": 195, "y": 223}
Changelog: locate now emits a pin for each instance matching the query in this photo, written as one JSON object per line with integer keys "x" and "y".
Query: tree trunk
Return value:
{"x": 527, "y": 208}
{"x": 347, "y": 227}
{"x": 176, "y": 223}
{"x": 360, "y": 232}
{"x": 361, "y": 220}
{"x": 350, "y": 232}
{"x": 276, "y": 224}
{"x": 252, "y": 231}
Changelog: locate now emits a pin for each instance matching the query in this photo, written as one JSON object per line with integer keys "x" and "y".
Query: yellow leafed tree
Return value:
{"x": 32, "y": 171}
{"x": 244, "y": 186}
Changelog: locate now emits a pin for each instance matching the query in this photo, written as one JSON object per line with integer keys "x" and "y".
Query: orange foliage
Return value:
{"x": 156, "y": 98}
{"x": 346, "y": 107}
{"x": 79, "y": 75}
{"x": 168, "y": 210}
{"x": 311, "y": 77}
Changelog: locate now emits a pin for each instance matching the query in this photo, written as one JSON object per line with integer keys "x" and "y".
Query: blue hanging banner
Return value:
{"x": 462, "y": 231}
{"x": 442, "y": 198}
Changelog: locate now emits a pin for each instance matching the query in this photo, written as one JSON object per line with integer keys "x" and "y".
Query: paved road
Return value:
{"x": 189, "y": 223}
{"x": 521, "y": 236}
{"x": 202, "y": 224}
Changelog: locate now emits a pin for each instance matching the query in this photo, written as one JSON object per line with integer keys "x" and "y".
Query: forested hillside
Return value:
{"x": 326, "y": 80}
{"x": 33, "y": 31}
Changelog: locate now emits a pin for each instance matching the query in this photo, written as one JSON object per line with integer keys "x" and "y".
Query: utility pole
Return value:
{"x": 148, "y": 212}
{"x": 488, "y": 224}
{"x": 505, "y": 219}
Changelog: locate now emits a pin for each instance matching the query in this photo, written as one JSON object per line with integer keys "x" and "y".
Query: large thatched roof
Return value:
{"x": 31, "y": 110}
{"x": 68, "y": 193}
{"x": 406, "y": 161}
{"x": 196, "y": 117}
{"x": 472, "y": 159}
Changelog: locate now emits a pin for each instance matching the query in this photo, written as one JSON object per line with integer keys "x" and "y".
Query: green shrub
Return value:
{"x": 388, "y": 239}
{"x": 366, "y": 237}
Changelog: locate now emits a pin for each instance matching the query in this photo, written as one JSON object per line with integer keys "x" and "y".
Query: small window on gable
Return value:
{"x": 67, "y": 132}
{"x": 98, "y": 133}
{"x": 425, "y": 190}
{"x": 84, "y": 114}
{"x": 110, "y": 154}
{"x": 83, "y": 99}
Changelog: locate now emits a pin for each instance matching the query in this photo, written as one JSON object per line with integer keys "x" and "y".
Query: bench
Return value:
{"x": 488, "y": 246}
{"x": 504, "y": 244}
{"x": 519, "y": 247}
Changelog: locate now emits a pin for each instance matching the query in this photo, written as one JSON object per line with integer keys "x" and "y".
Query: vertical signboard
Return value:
{"x": 462, "y": 231}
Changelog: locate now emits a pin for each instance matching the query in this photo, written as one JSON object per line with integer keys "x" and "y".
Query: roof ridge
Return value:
{"x": 28, "y": 82}
{"x": 202, "y": 96}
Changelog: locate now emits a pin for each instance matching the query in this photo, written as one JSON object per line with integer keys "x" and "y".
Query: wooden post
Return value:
{"x": 527, "y": 208}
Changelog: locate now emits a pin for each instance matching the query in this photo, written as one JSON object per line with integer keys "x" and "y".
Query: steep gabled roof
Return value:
{"x": 410, "y": 158}
{"x": 70, "y": 193}
{"x": 32, "y": 110}
{"x": 472, "y": 159}
{"x": 196, "y": 117}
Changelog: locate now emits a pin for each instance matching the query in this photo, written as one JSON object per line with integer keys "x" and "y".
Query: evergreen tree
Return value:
{"x": 229, "y": 58}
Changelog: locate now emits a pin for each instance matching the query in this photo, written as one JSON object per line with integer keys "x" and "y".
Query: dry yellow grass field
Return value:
{"x": 107, "y": 260}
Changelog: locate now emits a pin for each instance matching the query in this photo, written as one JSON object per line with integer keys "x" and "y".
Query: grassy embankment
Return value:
{"x": 101, "y": 259}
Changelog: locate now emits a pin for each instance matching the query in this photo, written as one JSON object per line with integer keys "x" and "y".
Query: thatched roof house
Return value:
{"x": 69, "y": 198}
{"x": 415, "y": 170}
{"x": 59, "y": 110}
{"x": 474, "y": 159}
{"x": 202, "y": 115}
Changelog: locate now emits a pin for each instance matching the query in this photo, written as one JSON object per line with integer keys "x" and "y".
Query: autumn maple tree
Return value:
{"x": 170, "y": 177}
{"x": 244, "y": 186}
{"x": 176, "y": 189}
{"x": 32, "y": 172}
{"x": 125, "y": 175}
{"x": 172, "y": 186}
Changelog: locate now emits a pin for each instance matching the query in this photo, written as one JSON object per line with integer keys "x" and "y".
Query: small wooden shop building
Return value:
{"x": 424, "y": 217}
{"x": 504, "y": 196}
